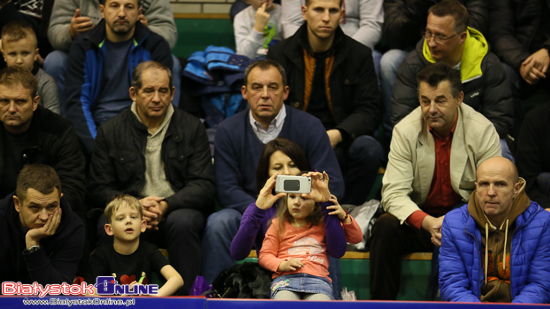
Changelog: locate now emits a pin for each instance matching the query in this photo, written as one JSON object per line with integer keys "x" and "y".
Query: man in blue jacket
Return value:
{"x": 101, "y": 62}
{"x": 497, "y": 247}
{"x": 239, "y": 142}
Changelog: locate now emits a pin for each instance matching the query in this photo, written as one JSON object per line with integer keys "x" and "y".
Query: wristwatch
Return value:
{"x": 31, "y": 249}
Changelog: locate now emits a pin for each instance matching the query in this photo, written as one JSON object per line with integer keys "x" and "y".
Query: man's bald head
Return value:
{"x": 496, "y": 188}
{"x": 499, "y": 164}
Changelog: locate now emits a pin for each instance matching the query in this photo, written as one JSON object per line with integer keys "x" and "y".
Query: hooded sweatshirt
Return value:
{"x": 497, "y": 246}
{"x": 475, "y": 49}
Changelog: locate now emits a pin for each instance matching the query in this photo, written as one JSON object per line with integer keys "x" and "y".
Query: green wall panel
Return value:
{"x": 197, "y": 34}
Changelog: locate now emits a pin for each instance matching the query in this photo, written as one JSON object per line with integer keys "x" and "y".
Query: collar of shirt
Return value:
{"x": 165, "y": 122}
{"x": 457, "y": 66}
{"x": 274, "y": 127}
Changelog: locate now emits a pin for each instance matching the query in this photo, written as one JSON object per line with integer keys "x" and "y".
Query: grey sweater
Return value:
{"x": 158, "y": 14}
{"x": 47, "y": 90}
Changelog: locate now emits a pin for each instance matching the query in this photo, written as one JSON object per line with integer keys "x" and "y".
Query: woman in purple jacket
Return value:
{"x": 283, "y": 157}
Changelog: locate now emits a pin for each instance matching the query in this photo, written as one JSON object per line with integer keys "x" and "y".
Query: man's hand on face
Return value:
{"x": 143, "y": 20}
{"x": 34, "y": 236}
{"x": 262, "y": 18}
{"x": 79, "y": 24}
{"x": 433, "y": 226}
{"x": 535, "y": 66}
{"x": 335, "y": 137}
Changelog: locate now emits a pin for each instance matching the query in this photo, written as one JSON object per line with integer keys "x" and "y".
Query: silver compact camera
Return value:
{"x": 293, "y": 184}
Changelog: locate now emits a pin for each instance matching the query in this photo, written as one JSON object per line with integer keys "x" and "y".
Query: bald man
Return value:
{"x": 499, "y": 223}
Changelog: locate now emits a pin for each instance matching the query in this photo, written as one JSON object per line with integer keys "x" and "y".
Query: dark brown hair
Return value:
{"x": 264, "y": 65}
{"x": 40, "y": 177}
{"x": 137, "y": 82}
{"x": 452, "y": 8}
{"x": 288, "y": 147}
{"x": 283, "y": 215}
{"x": 12, "y": 76}
{"x": 435, "y": 73}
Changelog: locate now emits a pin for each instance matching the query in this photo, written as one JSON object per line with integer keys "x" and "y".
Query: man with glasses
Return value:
{"x": 449, "y": 40}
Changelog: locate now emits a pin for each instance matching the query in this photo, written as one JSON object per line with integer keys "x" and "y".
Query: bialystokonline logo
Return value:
{"x": 104, "y": 286}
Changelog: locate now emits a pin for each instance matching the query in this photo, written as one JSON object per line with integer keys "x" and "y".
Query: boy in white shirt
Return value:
{"x": 257, "y": 27}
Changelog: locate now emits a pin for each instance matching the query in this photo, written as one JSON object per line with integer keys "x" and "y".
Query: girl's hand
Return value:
{"x": 266, "y": 199}
{"x": 338, "y": 210}
{"x": 319, "y": 187}
{"x": 291, "y": 265}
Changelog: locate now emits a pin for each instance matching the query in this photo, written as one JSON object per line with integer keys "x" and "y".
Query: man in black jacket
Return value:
{"x": 449, "y": 40}
{"x": 332, "y": 77}
{"x": 404, "y": 21}
{"x": 31, "y": 134}
{"x": 520, "y": 36}
{"x": 533, "y": 151}
{"x": 42, "y": 239}
{"x": 160, "y": 155}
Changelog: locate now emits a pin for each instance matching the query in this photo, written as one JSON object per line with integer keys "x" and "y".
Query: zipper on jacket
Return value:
{"x": 480, "y": 279}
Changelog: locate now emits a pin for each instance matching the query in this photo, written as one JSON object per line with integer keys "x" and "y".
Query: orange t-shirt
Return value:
{"x": 306, "y": 243}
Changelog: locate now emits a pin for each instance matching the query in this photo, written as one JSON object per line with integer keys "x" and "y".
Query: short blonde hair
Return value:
{"x": 120, "y": 201}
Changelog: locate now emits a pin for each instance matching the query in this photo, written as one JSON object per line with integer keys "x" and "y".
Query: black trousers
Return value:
{"x": 390, "y": 241}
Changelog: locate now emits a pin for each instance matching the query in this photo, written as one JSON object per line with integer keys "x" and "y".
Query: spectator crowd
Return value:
{"x": 103, "y": 160}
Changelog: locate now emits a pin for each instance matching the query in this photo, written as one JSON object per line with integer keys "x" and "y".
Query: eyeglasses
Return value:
{"x": 438, "y": 38}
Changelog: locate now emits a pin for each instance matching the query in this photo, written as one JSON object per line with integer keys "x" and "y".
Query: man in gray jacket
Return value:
{"x": 71, "y": 18}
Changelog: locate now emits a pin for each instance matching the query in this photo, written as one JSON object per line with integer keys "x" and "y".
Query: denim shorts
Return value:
{"x": 304, "y": 283}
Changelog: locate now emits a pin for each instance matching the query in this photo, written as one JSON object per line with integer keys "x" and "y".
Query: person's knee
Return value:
{"x": 223, "y": 221}
{"x": 176, "y": 67}
{"x": 385, "y": 227}
{"x": 543, "y": 182}
{"x": 185, "y": 220}
{"x": 376, "y": 57}
{"x": 55, "y": 63}
{"x": 366, "y": 148}
{"x": 390, "y": 61}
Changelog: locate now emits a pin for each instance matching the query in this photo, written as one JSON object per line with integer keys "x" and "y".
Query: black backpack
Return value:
{"x": 246, "y": 280}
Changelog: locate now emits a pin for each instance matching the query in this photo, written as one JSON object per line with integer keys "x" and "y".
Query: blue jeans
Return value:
{"x": 506, "y": 150}
{"x": 56, "y": 62}
{"x": 359, "y": 163}
{"x": 221, "y": 228}
{"x": 376, "y": 56}
{"x": 303, "y": 283}
{"x": 388, "y": 73}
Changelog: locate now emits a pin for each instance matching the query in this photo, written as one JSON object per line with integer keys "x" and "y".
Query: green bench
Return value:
{"x": 354, "y": 266}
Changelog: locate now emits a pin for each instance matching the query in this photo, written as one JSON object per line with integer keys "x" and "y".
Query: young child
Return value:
{"x": 19, "y": 48}
{"x": 257, "y": 27}
{"x": 294, "y": 247}
{"x": 128, "y": 260}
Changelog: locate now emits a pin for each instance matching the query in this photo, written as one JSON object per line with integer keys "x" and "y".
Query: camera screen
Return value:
{"x": 292, "y": 185}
